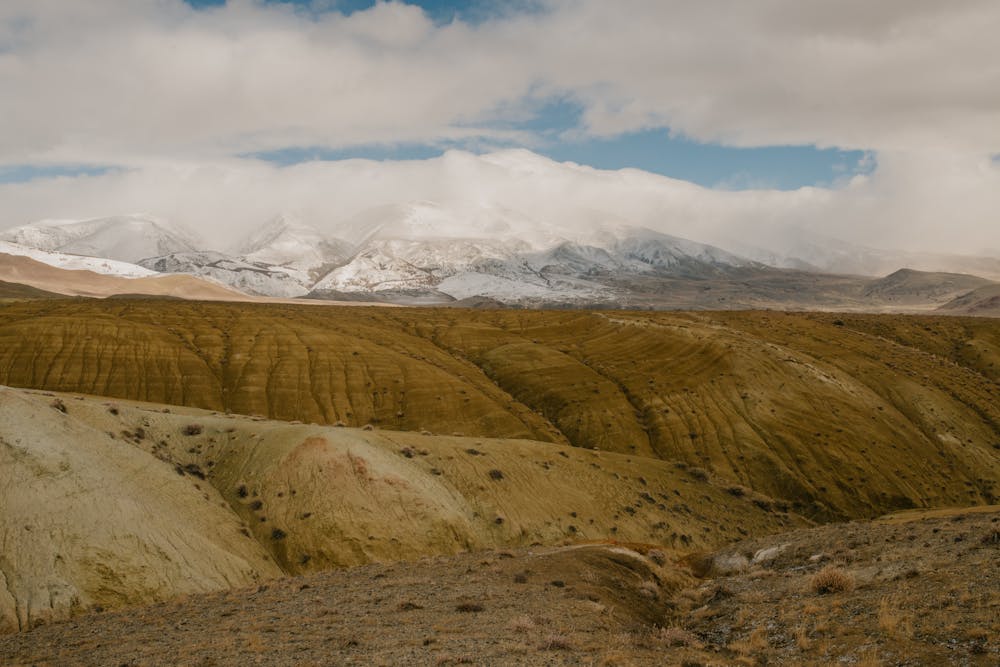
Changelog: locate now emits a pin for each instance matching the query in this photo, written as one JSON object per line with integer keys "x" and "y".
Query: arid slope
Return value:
{"x": 111, "y": 503}
{"x": 843, "y": 416}
{"x": 919, "y": 590}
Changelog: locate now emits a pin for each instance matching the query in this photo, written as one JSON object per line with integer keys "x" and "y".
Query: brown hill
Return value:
{"x": 109, "y": 504}
{"x": 27, "y": 271}
{"x": 839, "y": 419}
{"x": 19, "y": 291}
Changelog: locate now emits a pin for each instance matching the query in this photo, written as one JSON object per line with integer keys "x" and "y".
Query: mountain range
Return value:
{"x": 427, "y": 252}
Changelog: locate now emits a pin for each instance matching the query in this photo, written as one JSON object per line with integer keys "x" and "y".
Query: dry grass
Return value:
{"x": 755, "y": 642}
{"x": 891, "y": 622}
{"x": 676, "y": 636}
{"x": 556, "y": 642}
{"x": 521, "y": 624}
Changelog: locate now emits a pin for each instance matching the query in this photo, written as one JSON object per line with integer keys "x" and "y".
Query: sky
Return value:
{"x": 877, "y": 123}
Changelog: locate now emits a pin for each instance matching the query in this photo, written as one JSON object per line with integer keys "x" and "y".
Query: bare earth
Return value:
{"x": 926, "y": 591}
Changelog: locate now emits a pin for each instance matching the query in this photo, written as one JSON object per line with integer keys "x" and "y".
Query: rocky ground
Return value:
{"x": 911, "y": 589}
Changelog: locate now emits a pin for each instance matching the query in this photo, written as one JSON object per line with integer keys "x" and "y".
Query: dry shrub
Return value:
{"x": 831, "y": 580}
{"x": 192, "y": 429}
{"x": 869, "y": 659}
{"x": 755, "y": 642}
{"x": 657, "y": 556}
{"x": 802, "y": 639}
{"x": 649, "y": 589}
{"x": 556, "y": 643}
{"x": 675, "y": 636}
{"x": 469, "y": 607}
{"x": 699, "y": 474}
{"x": 522, "y": 624}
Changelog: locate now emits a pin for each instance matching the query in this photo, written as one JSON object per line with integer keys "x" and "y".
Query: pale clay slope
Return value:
{"x": 92, "y": 514}
{"x": 27, "y": 271}
{"x": 91, "y": 520}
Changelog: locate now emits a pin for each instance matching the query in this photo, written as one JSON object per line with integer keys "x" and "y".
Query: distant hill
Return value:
{"x": 19, "y": 291}
{"x": 983, "y": 301}
{"x": 79, "y": 282}
{"x": 907, "y": 286}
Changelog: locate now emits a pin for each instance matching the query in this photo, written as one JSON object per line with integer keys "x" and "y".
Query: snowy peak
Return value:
{"x": 428, "y": 221}
{"x": 290, "y": 243}
{"x": 123, "y": 238}
{"x": 248, "y": 277}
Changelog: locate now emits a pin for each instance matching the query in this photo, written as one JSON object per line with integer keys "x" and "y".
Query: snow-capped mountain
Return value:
{"x": 253, "y": 278}
{"x": 124, "y": 238}
{"x": 423, "y": 249}
{"x": 60, "y": 260}
{"x": 300, "y": 249}
{"x": 466, "y": 251}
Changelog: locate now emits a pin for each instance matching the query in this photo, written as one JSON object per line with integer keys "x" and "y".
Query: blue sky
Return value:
{"x": 658, "y": 151}
{"x": 441, "y": 11}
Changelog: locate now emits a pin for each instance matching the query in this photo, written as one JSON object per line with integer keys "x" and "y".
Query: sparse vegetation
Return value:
{"x": 192, "y": 429}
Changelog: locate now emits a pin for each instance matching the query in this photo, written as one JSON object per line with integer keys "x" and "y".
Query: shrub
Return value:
{"x": 556, "y": 643}
{"x": 831, "y": 580}
{"x": 469, "y": 607}
{"x": 408, "y": 606}
{"x": 496, "y": 474}
{"x": 522, "y": 624}
{"x": 699, "y": 474}
{"x": 675, "y": 636}
{"x": 59, "y": 405}
{"x": 192, "y": 429}
{"x": 278, "y": 534}
{"x": 657, "y": 556}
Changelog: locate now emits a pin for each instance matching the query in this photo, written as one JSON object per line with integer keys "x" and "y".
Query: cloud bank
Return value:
{"x": 171, "y": 97}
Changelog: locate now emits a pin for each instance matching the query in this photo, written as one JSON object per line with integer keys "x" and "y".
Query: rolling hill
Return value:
{"x": 113, "y": 503}
{"x": 819, "y": 410}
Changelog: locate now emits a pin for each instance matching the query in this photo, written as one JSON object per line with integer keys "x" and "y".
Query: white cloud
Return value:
{"x": 172, "y": 94}
{"x": 932, "y": 204}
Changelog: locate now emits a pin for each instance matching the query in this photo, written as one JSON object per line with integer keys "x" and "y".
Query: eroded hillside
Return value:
{"x": 842, "y": 416}
{"x": 111, "y": 503}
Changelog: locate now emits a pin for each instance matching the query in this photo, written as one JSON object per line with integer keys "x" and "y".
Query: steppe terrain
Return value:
{"x": 502, "y": 486}
{"x": 921, "y": 589}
